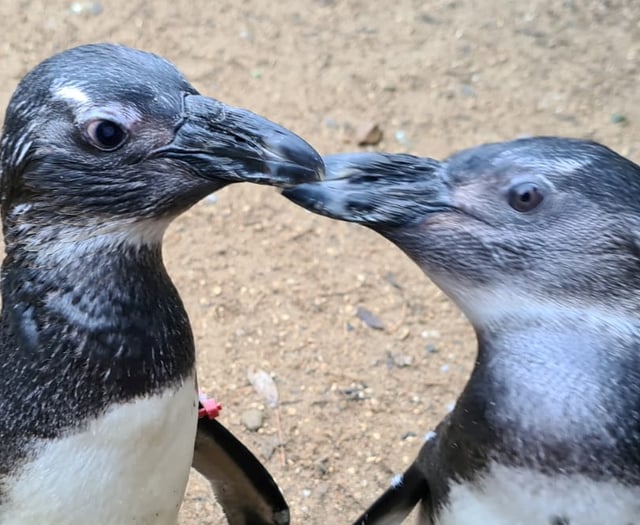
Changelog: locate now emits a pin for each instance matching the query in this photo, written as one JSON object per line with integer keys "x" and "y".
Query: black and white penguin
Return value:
{"x": 538, "y": 242}
{"x": 102, "y": 147}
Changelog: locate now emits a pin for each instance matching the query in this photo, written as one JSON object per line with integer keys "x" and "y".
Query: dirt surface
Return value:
{"x": 270, "y": 286}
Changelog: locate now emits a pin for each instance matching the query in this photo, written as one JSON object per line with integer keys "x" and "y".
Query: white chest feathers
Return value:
{"x": 129, "y": 466}
{"x": 511, "y": 496}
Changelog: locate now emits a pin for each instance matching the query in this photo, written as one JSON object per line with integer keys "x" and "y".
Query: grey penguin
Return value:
{"x": 102, "y": 147}
{"x": 537, "y": 241}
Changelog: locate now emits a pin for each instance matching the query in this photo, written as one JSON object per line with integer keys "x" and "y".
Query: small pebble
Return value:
{"x": 357, "y": 392}
{"x": 402, "y": 138}
{"x": 330, "y": 123}
{"x": 268, "y": 448}
{"x": 467, "y": 91}
{"x": 403, "y": 333}
{"x": 618, "y": 118}
{"x": 402, "y": 360}
{"x": 91, "y": 8}
{"x": 245, "y": 34}
{"x": 369, "y": 319}
{"x": 323, "y": 466}
{"x": 368, "y": 134}
{"x": 252, "y": 419}
{"x": 264, "y": 385}
{"x": 392, "y": 279}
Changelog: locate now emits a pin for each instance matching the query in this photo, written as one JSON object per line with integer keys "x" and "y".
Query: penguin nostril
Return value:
{"x": 364, "y": 179}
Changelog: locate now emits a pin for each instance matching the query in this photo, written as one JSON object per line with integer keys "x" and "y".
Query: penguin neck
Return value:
{"x": 561, "y": 386}
{"x": 597, "y": 343}
{"x": 584, "y": 345}
{"x": 97, "y": 305}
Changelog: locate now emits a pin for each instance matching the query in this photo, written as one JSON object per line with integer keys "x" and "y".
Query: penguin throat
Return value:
{"x": 563, "y": 381}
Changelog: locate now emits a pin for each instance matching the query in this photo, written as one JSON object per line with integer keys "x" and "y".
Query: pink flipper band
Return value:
{"x": 209, "y": 407}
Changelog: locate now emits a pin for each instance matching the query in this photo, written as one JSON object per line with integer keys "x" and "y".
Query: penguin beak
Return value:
{"x": 225, "y": 143}
{"x": 376, "y": 189}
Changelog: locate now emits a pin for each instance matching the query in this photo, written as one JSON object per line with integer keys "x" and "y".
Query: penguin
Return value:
{"x": 537, "y": 241}
{"x": 102, "y": 147}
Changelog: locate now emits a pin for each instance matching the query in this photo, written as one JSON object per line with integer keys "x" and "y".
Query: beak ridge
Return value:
{"x": 236, "y": 145}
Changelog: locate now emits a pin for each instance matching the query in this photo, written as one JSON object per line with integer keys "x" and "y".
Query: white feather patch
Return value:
{"x": 397, "y": 481}
{"x": 72, "y": 93}
{"x": 74, "y": 242}
{"x": 430, "y": 436}
{"x": 130, "y": 465}
{"x": 510, "y": 496}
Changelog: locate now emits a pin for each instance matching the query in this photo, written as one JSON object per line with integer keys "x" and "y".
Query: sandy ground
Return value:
{"x": 272, "y": 287}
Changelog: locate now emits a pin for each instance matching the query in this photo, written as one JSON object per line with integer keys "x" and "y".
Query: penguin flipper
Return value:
{"x": 243, "y": 487}
{"x": 397, "y": 502}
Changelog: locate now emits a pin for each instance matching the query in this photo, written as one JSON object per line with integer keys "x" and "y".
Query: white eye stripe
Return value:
{"x": 72, "y": 94}
{"x": 87, "y": 109}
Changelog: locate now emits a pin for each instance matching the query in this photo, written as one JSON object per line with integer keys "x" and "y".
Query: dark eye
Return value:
{"x": 106, "y": 135}
{"x": 525, "y": 197}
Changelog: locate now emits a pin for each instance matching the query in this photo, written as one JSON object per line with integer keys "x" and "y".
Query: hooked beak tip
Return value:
{"x": 292, "y": 161}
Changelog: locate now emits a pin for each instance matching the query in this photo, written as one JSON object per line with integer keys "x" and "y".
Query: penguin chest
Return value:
{"x": 514, "y": 496}
{"x": 130, "y": 465}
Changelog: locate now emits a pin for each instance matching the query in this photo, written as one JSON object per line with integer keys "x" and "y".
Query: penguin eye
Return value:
{"x": 106, "y": 134}
{"x": 525, "y": 197}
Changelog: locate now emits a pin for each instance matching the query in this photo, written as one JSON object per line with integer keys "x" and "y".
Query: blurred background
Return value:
{"x": 366, "y": 354}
